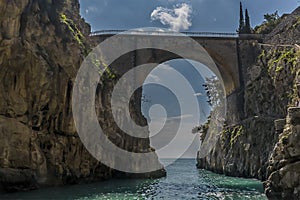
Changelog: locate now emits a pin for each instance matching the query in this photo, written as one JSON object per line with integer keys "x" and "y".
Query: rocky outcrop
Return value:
{"x": 271, "y": 75}
{"x": 267, "y": 94}
{"x": 42, "y": 44}
{"x": 242, "y": 150}
{"x": 284, "y": 165}
{"x": 287, "y": 31}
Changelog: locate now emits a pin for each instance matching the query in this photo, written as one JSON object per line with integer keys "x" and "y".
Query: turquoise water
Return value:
{"x": 183, "y": 181}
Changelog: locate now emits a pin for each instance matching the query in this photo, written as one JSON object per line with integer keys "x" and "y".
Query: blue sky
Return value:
{"x": 180, "y": 78}
{"x": 192, "y": 15}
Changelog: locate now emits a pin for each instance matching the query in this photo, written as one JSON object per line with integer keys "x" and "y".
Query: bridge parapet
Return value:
{"x": 258, "y": 37}
{"x": 163, "y": 33}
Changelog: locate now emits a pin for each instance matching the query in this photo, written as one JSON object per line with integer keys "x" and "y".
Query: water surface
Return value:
{"x": 183, "y": 181}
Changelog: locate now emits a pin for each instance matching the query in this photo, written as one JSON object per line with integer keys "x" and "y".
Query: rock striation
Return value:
{"x": 42, "y": 44}
{"x": 284, "y": 165}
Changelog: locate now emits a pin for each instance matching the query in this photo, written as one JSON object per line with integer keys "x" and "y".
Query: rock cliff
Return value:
{"x": 42, "y": 44}
{"x": 271, "y": 74}
{"x": 284, "y": 165}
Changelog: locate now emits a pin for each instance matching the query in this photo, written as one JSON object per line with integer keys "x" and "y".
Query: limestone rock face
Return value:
{"x": 39, "y": 58}
{"x": 287, "y": 32}
{"x": 284, "y": 166}
{"x": 242, "y": 150}
{"x": 271, "y": 77}
{"x": 269, "y": 89}
{"x": 42, "y": 44}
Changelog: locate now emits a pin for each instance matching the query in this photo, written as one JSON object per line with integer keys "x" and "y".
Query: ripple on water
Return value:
{"x": 183, "y": 181}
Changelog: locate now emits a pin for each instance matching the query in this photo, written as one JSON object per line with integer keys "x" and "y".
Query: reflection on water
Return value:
{"x": 183, "y": 181}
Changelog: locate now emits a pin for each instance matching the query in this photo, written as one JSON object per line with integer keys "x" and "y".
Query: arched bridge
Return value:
{"x": 223, "y": 48}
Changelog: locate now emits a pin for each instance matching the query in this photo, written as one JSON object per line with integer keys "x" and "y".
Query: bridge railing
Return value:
{"x": 163, "y": 33}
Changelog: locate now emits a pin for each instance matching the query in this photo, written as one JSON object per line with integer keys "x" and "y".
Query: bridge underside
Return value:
{"x": 223, "y": 52}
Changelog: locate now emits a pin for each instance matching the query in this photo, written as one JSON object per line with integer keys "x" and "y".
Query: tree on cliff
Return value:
{"x": 270, "y": 22}
{"x": 244, "y": 25}
{"x": 271, "y": 18}
{"x": 247, "y": 22}
{"x": 242, "y": 22}
{"x": 215, "y": 95}
{"x": 214, "y": 91}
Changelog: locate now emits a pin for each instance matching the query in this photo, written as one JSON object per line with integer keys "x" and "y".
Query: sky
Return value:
{"x": 177, "y": 76}
{"x": 183, "y": 104}
{"x": 178, "y": 15}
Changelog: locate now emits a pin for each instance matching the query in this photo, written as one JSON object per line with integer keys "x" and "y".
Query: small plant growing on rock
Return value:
{"x": 78, "y": 36}
{"x": 99, "y": 64}
{"x": 235, "y": 132}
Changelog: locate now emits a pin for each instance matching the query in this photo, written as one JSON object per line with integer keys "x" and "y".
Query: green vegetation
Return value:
{"x": 282, "y": 65}
{"x": 262, "y": 55}
{"x": 78, "y": 36}
{"x": 214, "y": 91}
{"x": 271, "y": 21}
{"x": 244, "y": 26}
{"x": 215, "y": 94}
{"x": 297, "y": 23}
{"x": 100, "y": 64}
{"x": 293, "y": 96}
{"x": 235, "y": 132}
{"x": 247, "y": 22}
{"x": 242, "y": 22}
{"x": 279, "y": 68}
{"x": 284, "y": 58}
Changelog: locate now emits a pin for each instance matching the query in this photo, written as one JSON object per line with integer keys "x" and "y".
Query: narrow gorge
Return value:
{"x": 42, "y": 46}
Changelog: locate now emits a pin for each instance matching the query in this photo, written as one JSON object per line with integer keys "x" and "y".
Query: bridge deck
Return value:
{"x": 163, "y": 33}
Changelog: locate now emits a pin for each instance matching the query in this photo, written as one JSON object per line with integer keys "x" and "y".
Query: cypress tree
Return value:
{"x": 247, "y": 23}
{"x": 242, "y": 22}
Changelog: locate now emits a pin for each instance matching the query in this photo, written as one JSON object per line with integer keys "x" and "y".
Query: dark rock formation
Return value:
{"x": 287, "y": 31}
{"x": 271, "y": 75}
{"x": 242, "y": 150}
{"x": 284, "y": 165}
{"x": 42, "y": 44}
{"x": 267, "y": 94}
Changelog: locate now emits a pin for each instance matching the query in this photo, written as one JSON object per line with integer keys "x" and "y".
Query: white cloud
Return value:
{"x": 198, "y": 94}
{"x": 160, "y": 119}
{"x": 164, "y": 67}
{"x": 177, "y": 18}
{"x": 153, "y": 78}
{"x": 182, "y": 116}
{"x": 91, "y": 9}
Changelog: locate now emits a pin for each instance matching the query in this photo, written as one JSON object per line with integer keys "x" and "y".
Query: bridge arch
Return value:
{"x": 230, "y": 79}
{"x": 221, "y": 48}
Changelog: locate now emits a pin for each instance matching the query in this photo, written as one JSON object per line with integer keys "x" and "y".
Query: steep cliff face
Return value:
{"x": 287, "y": 31}
{"x": 284, "y": 165}
{"x": 242, "y": 150}
{"x": 270, "y": 74}
{"x": 268, "y": 92}
{"x": 42, "y": 44}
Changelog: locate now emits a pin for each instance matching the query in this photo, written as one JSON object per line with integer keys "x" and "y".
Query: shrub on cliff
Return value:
{"x": 270, "y": 22}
